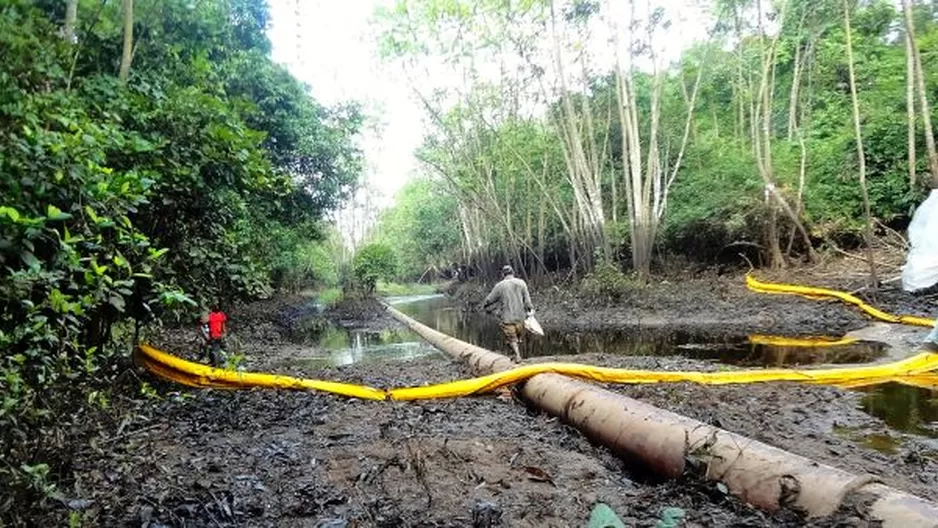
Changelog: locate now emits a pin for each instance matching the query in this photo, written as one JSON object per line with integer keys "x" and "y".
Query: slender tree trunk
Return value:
{"x": 614, "y": 178}
{"x": 662, "y": 204}
{"x": 579, "y": 154}
{"x": 687, "y": 102}
{"x": 646, "y": 187}
{"x": 741, "y": 114}
{"x": 127, "y": 6}
{"x": 639, "y": 214}
{"x": 799, "y": 203}
{"x": 762, "y": 148}
{"x": 762, "y": 145}
{"x": 910, "y": 104}
{"x": 922, "y": 93}
{"x": 71, "y": 20}
{"x": 859, "y": 135}
{"x": 793, "y": 99}
{"x": 804, "y": 112}
{"x": 541, "y": 230}
{"x": 777, "y": 260}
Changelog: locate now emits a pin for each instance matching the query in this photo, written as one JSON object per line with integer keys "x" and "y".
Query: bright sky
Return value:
{"x": 330, "y": 45}
{"x": 336, "y": 54}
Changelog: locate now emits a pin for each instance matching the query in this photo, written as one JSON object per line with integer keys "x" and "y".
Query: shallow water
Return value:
{"x": 347, "y": 346}
{"x": 483, "y": 330}
{"x": 908, "y": 409}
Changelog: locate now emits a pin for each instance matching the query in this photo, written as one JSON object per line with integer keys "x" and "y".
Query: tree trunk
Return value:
{"x": 910, "y": 104}
{"x": 687, "y": 102}
{"x": 578, "y": 154}
{"x": 762, "y": 148}
{"x": 541, "y": 230}
{"x": 738, "y": 89}
{"x": 776, "y": 258}
{"x": 71, "y": 19}
{"x": 793, "y": 99}
{"x": 799, "y": 204}
{"x": 646, "y": 187}
{"x": 127, "y": 7}
{"x": 762, "y": 144}
{"x": 808, "y": 62}
{"x": 862, "y": 157}
{"x": 922, "y": 93}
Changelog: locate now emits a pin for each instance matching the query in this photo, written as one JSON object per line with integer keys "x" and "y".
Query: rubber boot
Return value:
{"x": 516, "y": 350}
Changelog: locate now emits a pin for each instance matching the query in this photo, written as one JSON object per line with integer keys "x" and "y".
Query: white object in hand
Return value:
{"x": 532, "y": 325}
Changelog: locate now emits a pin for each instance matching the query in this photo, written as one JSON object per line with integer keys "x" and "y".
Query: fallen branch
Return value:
{"x": 858, "y": 257}
{"x": 130, "y": 433}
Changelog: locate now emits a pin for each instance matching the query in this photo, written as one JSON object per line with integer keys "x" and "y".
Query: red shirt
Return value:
{"x": 216, "y": 324}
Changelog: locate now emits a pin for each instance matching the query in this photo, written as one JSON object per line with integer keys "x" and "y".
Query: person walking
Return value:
{"x": 515, "y": 300}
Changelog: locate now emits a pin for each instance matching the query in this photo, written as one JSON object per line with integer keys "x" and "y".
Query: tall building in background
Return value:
{"x": 299, "y": 15}
{"x": 328, "y": 45}
{"x": 316, "y": 35}
{"x": 289, "y": 24}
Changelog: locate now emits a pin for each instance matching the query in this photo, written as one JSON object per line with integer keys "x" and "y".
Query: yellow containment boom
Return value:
{"x": 194, "y": 374}
{"x": 916, "y": 370}
{"x": 823, "y": 293}
{"x": 803, "y": 342}
{"x": 198, "y": 375}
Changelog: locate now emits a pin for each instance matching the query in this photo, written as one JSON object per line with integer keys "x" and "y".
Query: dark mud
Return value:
{"x": 825, "y": 424}
{"x": 263, "y": 458}
{"x": 713, "y": 305}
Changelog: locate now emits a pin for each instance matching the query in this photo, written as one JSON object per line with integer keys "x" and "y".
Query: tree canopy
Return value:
{"x": 125, "y": 202}
{"x": 556, "y": 155}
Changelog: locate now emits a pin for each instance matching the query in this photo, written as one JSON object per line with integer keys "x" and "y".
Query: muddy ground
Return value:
{"x": 709, "y": 303}
{"x": 262, "y": 458}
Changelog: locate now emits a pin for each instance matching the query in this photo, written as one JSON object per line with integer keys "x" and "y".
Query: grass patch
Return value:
{"x": 393, "y": 289}
{"x": 329, "y": 296}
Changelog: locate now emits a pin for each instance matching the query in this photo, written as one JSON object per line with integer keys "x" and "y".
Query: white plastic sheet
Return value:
{"x": 921, "y": 267}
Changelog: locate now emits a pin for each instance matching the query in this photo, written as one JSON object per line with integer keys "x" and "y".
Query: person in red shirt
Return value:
{"x": 214, "y": 328}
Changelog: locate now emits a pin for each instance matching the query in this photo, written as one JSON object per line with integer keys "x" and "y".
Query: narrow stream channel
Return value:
{"x": 909, "y": 409}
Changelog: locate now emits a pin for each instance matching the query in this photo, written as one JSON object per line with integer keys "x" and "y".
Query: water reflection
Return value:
{"x": 345, "y": 347}
{"x": 483, "y": 330}
{"x": 906, "y": 408}
{"x": 910, "y": 409}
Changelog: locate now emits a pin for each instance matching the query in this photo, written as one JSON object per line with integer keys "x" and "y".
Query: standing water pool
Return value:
{"x": 909, "y": 409}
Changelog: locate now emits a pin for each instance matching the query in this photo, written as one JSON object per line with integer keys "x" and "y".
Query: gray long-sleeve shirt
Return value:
{"x": 513, "y": 295}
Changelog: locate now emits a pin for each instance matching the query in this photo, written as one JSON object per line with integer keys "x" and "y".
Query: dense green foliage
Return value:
{"x": 372, "y": 263}
{"x": 421, "y": 229}
{"x": 501, "y": 149}
{"x": 201, "y": 179}
{"x": 312, "y": 263}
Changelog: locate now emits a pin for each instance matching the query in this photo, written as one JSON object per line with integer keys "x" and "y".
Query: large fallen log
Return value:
{"x": 664, "y": 442}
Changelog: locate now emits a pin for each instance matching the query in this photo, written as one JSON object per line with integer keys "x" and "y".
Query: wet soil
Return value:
{"x": 261, "y": 458}
{"x": 708, "y": 304}
{"x": 824, "y": 424}
{"x": 184, "y": 457}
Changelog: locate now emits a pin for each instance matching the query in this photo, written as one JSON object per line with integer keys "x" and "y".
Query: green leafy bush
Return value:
{"x": 309, "y": 263}
{"x": 606, "y": 283}
{"x": 372, "y": 263}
